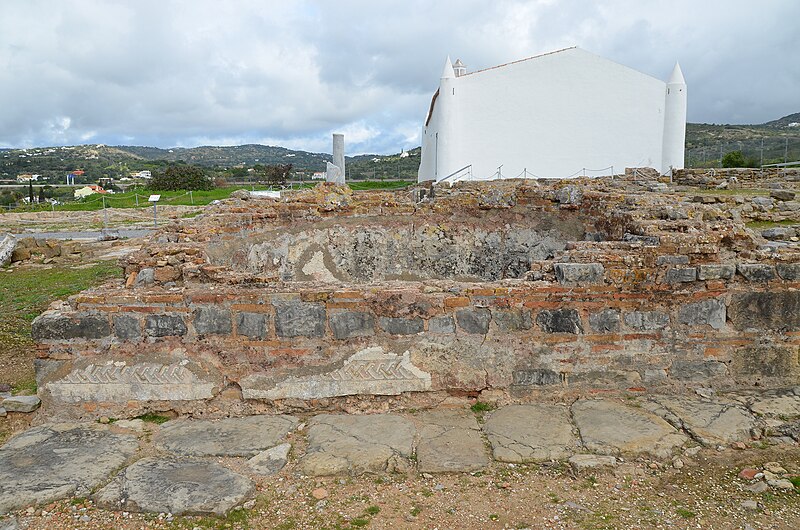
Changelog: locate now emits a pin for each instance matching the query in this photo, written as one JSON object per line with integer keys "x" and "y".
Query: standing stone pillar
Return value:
{"x": 335, "y": 171}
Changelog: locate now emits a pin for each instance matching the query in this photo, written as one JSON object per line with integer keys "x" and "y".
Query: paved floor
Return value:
{"x": 209, "y": 466}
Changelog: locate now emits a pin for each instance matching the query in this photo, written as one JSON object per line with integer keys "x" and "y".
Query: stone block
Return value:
{"x": 646, "y": 320}
{"x": 512, "y": 319}
{"x": 299, "y": 319}
{"x": 164, "y": 325}
{"x": 560, "y": 321}
{"x": 767, "y": 360}
{"x": 369, "y": 371}
{"x": 681, "y": 274}
{"x": 782, "y": 195}
{"x": 706, "y": 312}
{"x": 120, "y": 382}
{"x": 444, "y": 325}
{"x": 716, "y": 272}
{"x": 647, "y": 241}
{"x": 697, "y": 371}
{"x": 401, "y": 326}
{"x": 579, "y": 273}
{"x": 779, "y": 233}
{"x": 167, "y": 273}
{"x": 756, "y": 272}
{"x": 127, "y": 327}
{"x": 788, "y": 271}
{"x": 21, "y": 403}
{"x": 535, "y": 377}
{"x": 212, "y": 321}
{"x": 349, "y": 324}
{"x": 672, "y": 260}
{"x": 57, "y": 326}
{"x": 762, "y": 202}
{"x": 474, "y": 320}
{"x": 145, "y": 277}
{"x": 252, "y": 325}
{"x": 606, "y": 321}
{"x": 778, "y": 310}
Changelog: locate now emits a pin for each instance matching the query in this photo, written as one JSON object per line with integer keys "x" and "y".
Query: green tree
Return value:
{"x": 181, "y": 177}
{"x": 273, "y": 175}
{"x": 737, "y": 159}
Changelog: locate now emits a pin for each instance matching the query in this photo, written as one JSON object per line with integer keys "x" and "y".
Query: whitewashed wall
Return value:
{"x": 552, "y": 115}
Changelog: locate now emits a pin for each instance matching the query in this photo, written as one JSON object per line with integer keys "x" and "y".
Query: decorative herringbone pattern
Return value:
{"x": 372, "y": 370}
{"x": 146, "y": 373}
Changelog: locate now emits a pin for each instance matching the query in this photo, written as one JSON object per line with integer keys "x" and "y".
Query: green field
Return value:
{"x": 138, "y": 198}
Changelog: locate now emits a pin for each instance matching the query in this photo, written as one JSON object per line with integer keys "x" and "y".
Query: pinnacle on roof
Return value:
{"x": 448, "y": 72}
{"x": 677, "y": 76}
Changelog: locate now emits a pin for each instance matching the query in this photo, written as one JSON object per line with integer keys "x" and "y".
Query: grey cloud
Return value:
{"x": 202, "y": 71}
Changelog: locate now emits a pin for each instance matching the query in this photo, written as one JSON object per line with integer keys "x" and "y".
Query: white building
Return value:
{"x": 561, "y": 114}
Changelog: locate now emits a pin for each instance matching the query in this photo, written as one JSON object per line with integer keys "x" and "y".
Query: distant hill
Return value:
{"x": 116, "y": 161}
{"x": 705, "y": 145}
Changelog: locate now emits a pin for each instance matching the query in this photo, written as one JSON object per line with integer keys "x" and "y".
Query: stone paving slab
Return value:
{"x": 246, "y": 436}
{"x": 450, "y": 441}
{"x": 338, "y": 443}
{"x": 531, "y": 433}
{"x": 783, "y": 403}
{"x": 710, "y": 422}
{"x": 271, "y": 461}
{"x": 609, "y": 427}
{"x": 181, "y": 486}
{"x": 58, "y": 461}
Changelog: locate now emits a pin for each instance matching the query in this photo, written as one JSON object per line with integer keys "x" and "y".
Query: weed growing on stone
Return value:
{"x": 480, "y": 407}
{"x": 415, "y": 511}
{"x": 153, "y": 418}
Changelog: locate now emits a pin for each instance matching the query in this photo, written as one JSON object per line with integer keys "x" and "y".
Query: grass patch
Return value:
{"x": 138, "y": 198}
{"x": 480, "y": 407}
{"x": 686, "y": 514}
{"x": 415, "y": 511}
{"x": 153, "y": 418}
{"x": 795, "y": 482}
{"x": 25, "y": 387}
{"x": 359, "y": 522}
{"x": 24, "y": 294}
{"x": 760, "y": 225}
{"x": 373, "y": 510}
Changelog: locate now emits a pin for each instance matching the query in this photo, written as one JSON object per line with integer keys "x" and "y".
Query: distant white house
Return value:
{"x": 27, "y": 177}
{"x": 318, "y": 175}
{"x": 82, "y": 193}
{"x": 564, "y": 113}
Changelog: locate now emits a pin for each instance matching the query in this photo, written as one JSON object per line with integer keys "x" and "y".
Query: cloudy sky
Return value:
{"x": 207, "y": 72}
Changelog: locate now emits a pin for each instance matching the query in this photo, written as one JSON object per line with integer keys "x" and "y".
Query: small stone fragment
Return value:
{"x": 758, "y": 487}
{"x": 319, "y": 493}
{"x": 583, "y": 461}
{"x": 750, "y": 505}
{"x": 748, "y": 473}
{"x": 21, "y": 403}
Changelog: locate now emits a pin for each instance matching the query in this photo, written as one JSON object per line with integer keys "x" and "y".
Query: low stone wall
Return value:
{"x": 46, "y": 250}
{"x": 715, "y": 324}
{"x": 743, "y": 177}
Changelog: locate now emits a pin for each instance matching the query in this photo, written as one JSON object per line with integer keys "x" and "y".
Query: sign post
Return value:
{"x": 154, "y": 199}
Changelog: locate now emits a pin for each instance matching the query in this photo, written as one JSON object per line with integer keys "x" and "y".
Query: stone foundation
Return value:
{"x": 328, "y": 298}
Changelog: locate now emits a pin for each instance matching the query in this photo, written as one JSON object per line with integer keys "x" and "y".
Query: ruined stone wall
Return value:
{"x": 329, "y": 295}
{"x": 752, "y": 177}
